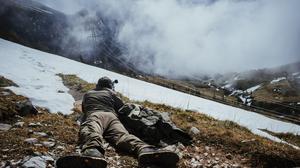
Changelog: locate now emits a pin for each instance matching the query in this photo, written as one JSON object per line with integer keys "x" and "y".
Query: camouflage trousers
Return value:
{"x": 99, "y": 126}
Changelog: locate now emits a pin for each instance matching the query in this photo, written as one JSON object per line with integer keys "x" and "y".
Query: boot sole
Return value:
{"x": 75, "y": 161}
{"x": 162, "y": 158}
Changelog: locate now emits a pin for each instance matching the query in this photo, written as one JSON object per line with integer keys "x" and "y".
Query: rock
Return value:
{"x": 228, "y": 156}
{"x": 214, "y": 162}
{"x": 60, "y": 147}
{"x": 30, "y": 132}
{"x": 18, "y": 117}
{"x": 15, "y": 163}
{"x": 60, "y": 91}
{"x": 180, "y": 154}
{"x": 37, "y": 153}
{"x": 48, "y": 144}
{"x": 248, "y": 140}
{"x": 51, "y": 154}
{"x": 205, "y": 154}
{"x": 35, "y": 162}
{"x": 31, "y": 140}
{"x": 166, "y": 116}
{"x": 195, "y": 163}
{"x": 207, "y": 148}
{"x": 19, "y": 124}
{"x": 51, "y": 139}
{"x": 38, "y": 145}
{"x": 236, "y": 165}
{"x": 5, "y": 150}
{"x": 25, "y": 108}
{"x": 40, "y": 134}
{"x": 4, "y": 127}
{"x": 180, "y": 146}
{"x": 194, "y": 131}
{"x": 224, "y": 165}
{"x": 38, "y": 124}
{"x": 2, "y": 164}
{"x": 78, "y": 151}
{"x": 48, "y": 158}
{"x": 5, "y": 93}
{"x": 216, "y": 166}
{"x": 171, "y": 148}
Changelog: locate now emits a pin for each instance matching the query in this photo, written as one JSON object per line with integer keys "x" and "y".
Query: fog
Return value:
{"x": 190, "y": 37}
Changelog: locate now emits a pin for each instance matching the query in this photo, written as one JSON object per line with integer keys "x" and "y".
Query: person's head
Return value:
{"x": 105, "y": 82}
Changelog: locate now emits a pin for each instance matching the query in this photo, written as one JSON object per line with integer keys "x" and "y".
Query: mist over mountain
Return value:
{"x": 198, "y": 37}
{"x": 170, "y": 38}
{"x": 84, "y": 36}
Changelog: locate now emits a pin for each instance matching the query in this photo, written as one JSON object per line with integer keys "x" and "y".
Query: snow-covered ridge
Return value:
{"x": 277, "y": 80}
{"x": 35, "y": 72}
{"x": 252, "y": 89}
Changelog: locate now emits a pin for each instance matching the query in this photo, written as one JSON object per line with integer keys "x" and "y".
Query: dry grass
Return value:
{"x": 8, "y": 104}
{"x": 8, "y": 100}
{"x": 12, "y": 143}
{"x": 74, "y": 82}
{"x": 267, "y": 94}
{"x": 6, "y": 82}
{"x": 63, "y": 130}
{"x": 233, "y": 138}
{"x": 229, "y": 137}
{"x": 288, "y": 137}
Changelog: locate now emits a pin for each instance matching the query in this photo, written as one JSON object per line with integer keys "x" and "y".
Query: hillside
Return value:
{"x": 45, "y": 136}
{"x": 273, "y": 92}
{"x": 84, "y": 37}
{"x": 89, "y": 37}
{"x": 35, "y": 75}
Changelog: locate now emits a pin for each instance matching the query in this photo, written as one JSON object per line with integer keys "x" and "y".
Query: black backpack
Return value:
{"x": 151, "y": 126}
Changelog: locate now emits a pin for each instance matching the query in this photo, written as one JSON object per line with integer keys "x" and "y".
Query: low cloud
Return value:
{"x": 189, "y": 37}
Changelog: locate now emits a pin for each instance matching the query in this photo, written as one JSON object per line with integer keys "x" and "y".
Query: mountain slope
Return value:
{"x": 36, "y": 74}
{"x": 83, "y": 37}
{"x": 45, "y": 137}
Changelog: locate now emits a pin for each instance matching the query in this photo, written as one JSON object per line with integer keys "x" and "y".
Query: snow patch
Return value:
{"x": 296, "y": 74}
{"x": 252, "y": 89}
{"x": 277, "y": 80}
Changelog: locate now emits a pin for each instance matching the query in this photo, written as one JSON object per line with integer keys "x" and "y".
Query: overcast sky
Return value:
{"x": 188, "y": 37}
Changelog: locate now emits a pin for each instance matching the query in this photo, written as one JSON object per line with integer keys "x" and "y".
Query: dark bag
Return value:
{"x": 151, "y": 126}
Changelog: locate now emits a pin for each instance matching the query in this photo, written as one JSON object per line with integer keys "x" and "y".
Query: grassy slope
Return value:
{"x": 224, "y": 135}
{"x": 225, "y": 140}
{"x": 267, "y": 94}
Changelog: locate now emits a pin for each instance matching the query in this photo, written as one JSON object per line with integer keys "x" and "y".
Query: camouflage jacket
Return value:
{"x": 101, "y": 100}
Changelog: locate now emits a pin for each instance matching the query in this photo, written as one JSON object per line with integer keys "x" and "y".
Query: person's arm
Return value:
{"x": 83, "y": 103}
{"x": 118, "y": 103}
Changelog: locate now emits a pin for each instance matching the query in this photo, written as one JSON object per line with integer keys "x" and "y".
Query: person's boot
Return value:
{"x": 92, "y": 152}
{"x": 90, "y": 158}
{"x": 158, "y": 157}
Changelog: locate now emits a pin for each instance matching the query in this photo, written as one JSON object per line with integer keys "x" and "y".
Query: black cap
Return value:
{"x": 105, "y": 82}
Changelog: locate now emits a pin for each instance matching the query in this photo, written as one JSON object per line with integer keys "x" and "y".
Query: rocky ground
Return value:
{"x": 37, "y": 140}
